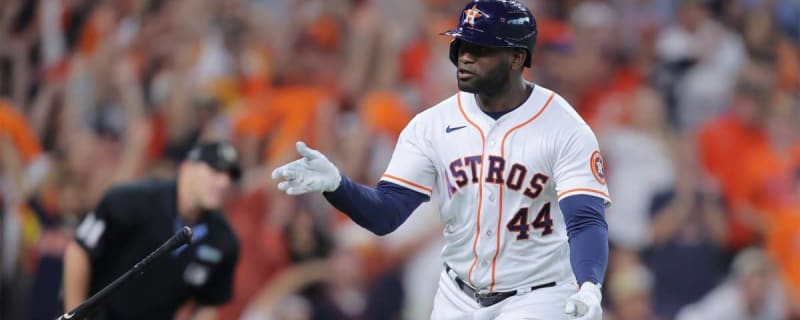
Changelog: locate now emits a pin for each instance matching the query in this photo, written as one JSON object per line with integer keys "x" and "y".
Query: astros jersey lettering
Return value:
{"x": 499, "y": 183}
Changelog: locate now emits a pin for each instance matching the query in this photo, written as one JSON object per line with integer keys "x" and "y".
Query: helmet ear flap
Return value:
{"x": 528, "y": 58}
{"x": 531, "y": 49}
{"x": 454, "y": 46}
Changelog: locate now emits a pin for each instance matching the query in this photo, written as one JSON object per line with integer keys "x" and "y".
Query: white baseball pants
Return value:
{"x": 542, "y": 304}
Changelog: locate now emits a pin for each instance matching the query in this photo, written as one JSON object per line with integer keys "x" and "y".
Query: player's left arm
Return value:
{"x": 588, "y": 243}
{"x": 588, "y": 236}
{"x": 583, "y": 196}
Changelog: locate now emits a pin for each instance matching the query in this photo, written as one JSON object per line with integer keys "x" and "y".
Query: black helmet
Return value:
{"x": 495, "y": 23}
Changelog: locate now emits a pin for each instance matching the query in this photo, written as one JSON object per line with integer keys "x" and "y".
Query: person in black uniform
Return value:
{"x": 133, "y": 219}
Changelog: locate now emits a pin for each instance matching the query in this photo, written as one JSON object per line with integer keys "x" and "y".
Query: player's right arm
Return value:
{"x": 406, "y": 184}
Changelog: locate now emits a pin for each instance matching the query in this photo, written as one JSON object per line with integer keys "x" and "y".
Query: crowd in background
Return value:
{"x": 696, "y": 105}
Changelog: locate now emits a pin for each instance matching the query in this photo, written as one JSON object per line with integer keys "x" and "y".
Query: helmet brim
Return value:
{"x": 469, "y": 36}
{"x": 478, "y": 38}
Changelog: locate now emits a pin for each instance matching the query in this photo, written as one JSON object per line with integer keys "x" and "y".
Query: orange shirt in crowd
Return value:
{"x": 287, "y": 114}
{"x": 297, "y": 107}
{"x": 721, "y": 144}
{"x": 385, "y": 112}
{"x": 414, "y": 60}
{"x": 257, "y": 118}
{"x": 783, "y": 244}
{"x": 625, "y": 80}
{"x": 553, "y": 31}
{"x": 16, "y": 128}
{"x": 767, "y": 181}
{"x": 770, "y": 184}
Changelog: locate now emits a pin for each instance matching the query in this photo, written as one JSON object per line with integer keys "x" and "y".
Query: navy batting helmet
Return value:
{"x": 495, "y": 23}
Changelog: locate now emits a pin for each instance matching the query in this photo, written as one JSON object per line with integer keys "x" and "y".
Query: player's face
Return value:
{"x": 211, "y": 185}
{"x": 483, "y": 70}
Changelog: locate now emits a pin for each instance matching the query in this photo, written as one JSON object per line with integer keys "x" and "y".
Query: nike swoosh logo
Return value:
{"x": 448, "y": 129}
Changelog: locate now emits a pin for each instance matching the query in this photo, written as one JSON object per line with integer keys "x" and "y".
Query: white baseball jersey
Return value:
{"x": 499, "y": 183}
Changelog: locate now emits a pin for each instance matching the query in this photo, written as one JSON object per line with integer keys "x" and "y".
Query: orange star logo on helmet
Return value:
{"x": 471, "y": 14}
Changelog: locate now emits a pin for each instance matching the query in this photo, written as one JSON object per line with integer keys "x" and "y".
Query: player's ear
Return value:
{"x": 518, "y": 58}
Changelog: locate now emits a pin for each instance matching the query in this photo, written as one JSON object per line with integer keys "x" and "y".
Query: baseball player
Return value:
{"x": 519, "y": 178}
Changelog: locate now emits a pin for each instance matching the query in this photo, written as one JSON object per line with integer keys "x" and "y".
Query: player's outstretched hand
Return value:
{"x": 585, "y": 304}
{"x": 311, "y": 173}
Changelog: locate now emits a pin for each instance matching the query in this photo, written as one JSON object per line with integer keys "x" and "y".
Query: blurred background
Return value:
{"x": 696, "y": 105}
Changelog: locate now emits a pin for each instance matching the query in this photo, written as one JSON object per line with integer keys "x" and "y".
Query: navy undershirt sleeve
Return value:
{"x": 588, "y": 236}
{"x": 381, "y": 209}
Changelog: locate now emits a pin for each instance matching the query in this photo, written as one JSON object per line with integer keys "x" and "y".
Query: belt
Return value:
{"x": 491, "y": 298}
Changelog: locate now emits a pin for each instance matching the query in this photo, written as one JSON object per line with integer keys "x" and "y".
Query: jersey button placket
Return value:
{"x": 488, "y": 218}
{"x": 491, "y": 206}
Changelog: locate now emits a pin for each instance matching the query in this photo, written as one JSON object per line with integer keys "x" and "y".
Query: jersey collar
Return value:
{"x": 528, "y": 109}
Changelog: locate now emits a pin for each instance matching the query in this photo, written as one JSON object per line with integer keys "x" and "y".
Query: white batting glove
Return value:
{"x": 312, "y": 173}
{"x": 585, "y": 304}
